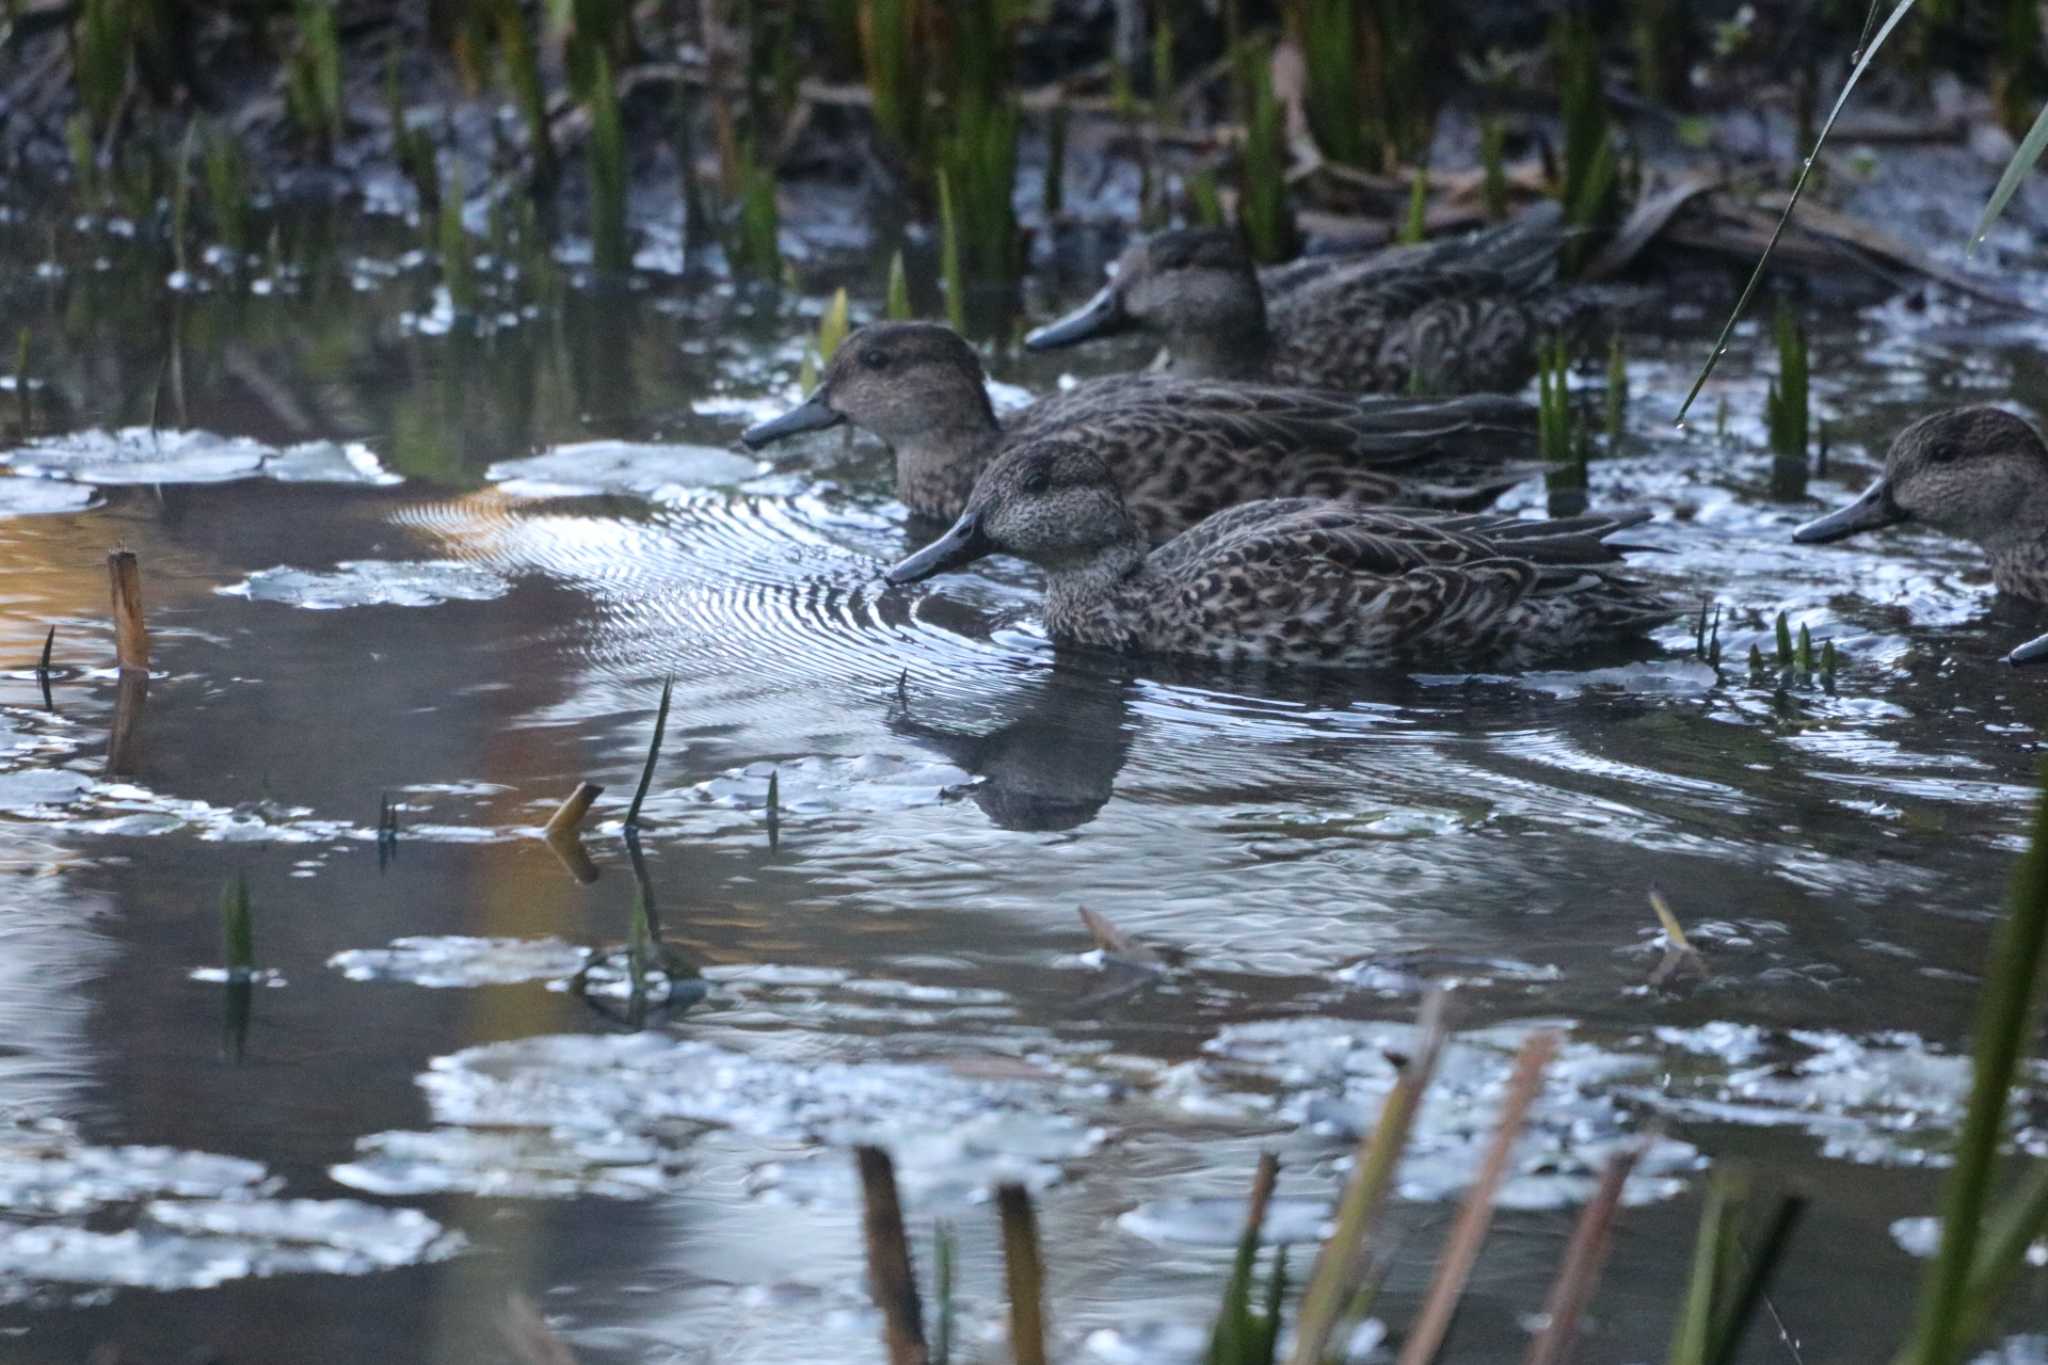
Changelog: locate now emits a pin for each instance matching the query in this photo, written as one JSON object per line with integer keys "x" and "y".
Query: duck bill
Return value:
{"x": 964, "y": 544}
{"x": 1874, "y": 509}
{"x": 813, "y": 414}
{"x": 2034, "y": 651}
{"x": 1101, "y": 316}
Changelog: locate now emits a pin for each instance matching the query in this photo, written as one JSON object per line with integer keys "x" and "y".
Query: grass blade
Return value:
{"x": 891, "y": 1280}
{"x": 1025, "y": 1273}
{"x": 1791, "y": 202}
{"x": 2005, "y": 1250}
{"x": 653, "y": 754}
{"x": 238, "y": 939}
{"x": 2005, "y": 1014}
{"x": 2016, "y": 170}
{"x": 1584, "y": 1257}
{"x": 1742, "y": 1305}
{"x": 1340, "y": 1266}
{"x": 1234, "y": 1340}
{"x": 1475, "y": 1215}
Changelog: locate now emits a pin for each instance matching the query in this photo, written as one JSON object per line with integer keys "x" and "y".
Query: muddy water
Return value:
{"x": 388, "y": 561}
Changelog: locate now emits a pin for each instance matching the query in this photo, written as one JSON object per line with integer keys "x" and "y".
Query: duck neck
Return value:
{"x": 1238, "y": 351}
{"x": 936, "y": 466}
{"x": 1077, "y": 590}
{"x": 2019, "y": 551}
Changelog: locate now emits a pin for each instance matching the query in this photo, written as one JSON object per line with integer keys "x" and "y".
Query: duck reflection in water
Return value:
{"x": 1052, "y": 764}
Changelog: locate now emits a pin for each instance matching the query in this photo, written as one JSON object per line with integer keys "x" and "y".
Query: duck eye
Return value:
{"x": 1941, "y": 452}
{"x": 1036, "y": 481}
{"x": 875, "y": 358}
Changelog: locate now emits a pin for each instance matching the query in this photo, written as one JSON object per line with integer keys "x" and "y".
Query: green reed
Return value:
{"x": 1248, "y": 1332}
{"x": 22, "y": 414}
{"x": 1336, "y": 112}
{"x": 102, "y": 50}
{"x": 949, "y": 257}
{"x": 978, "y": 164}
{"x": 1786, "y": 408}
{"x": 1658, "y": 34}
{"x": 832, "y": 329}
{"x": 1617, "y": 392}
{"x": 1398, "y": 71}
{"x": 227, "y": 190}
{"x": 892, "y": 43}
{"x": 1984, "y": 1237}
{"x": 774, "y": 820}
{"x": 1054, "y": 193}
{"x": 457, "y": 252}
{"x": 84, "y": 160}
{"x": 238, "y": 939}
{"x": 1493, "y": 183}
{"x": 1204, "y": 206}
{"x": 412, "y": 148}
{"x": 610, "y": 250}
{"x": 1589, "y": 182}
{"x": 1415, "y": 226}
{"x": 1262, "y": 191}
{"x": 313, "y": 96}
{"x": 896, "y": 297}
{"x": 522, "y": 69}
{"x": 1729, "y": 1279}
{"x": 181, "y": 200}
{"x": 653, "y": 753}
{"x": 942, "y": 1293}
{"x": 753, "y": 240}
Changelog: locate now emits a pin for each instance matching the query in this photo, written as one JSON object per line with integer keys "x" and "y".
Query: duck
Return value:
{"x": 1181, "y": 448}
{"x": 1458, "y": 316}
{"x": 1977, "y": 472}
{"x": 1292, "y": 580}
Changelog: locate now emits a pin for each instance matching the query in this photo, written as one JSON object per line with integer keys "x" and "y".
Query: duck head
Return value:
{"x": 1050, "y": 500}
{"x": 1183, "y": 285}
{"x": 902, "y": 381}
{"x": 1972, "y": 471}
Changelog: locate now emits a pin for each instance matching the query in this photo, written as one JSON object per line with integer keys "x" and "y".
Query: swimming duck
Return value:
{"x": 1977, "y": 472}
{"x": 1291, "y": 580}
{"x": 1181, "y": 448}
{"x": 1447, "y": 317}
